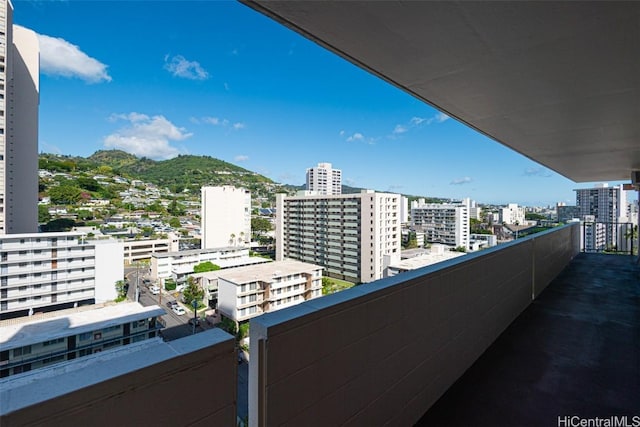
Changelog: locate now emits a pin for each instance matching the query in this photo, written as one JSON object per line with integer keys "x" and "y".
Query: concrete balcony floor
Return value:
{"x": 574, "y": 352}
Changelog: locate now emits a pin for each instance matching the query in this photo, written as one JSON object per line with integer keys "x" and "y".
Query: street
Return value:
{"x": 175, "y": 326}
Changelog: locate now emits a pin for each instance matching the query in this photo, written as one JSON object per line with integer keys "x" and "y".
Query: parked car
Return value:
{"x": 171, "y": 304}
{"x": 154, "y": 290}
{"x": 178, "y": 310}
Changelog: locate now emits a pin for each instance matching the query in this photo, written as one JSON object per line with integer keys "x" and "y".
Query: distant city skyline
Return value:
{"x": 218, "y": 79}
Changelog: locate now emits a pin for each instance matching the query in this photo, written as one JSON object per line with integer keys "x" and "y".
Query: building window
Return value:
{"x": 22, "y": 351}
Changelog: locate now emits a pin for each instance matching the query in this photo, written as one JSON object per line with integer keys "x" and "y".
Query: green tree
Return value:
{"x": 327, "y": 286}
{"x": 104, "y": 170}
{"x": 260, "y": 226}
{"x": 60, "y": 224}
{"x": 192, "y": 292}
{"x": 229, "y": 326}
{"x": 174, "y": 222}
{"x": 205, "y": 266}
{"x": 175, "y": 208}
{"x": 121, "y": 290}
{"x": 84, "y": 214}
{"x": 412, "y": 241}
{"x": 88, "y": 184}
{"x": 65, "y": 194}
{"x": 243, "y": 331}
{"x": 43, "y": 214}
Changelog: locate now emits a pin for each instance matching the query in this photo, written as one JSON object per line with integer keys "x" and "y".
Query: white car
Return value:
{"x": 154, "y": 290}
{"x": 178, "y": 310}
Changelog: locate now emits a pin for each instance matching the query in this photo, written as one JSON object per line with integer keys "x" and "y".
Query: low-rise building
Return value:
{"x": 48, "y": 271}
{"x": 29, "y": 343}
{"x": 144, "y": 249}
{"x": 246, "y": 292}
{"x": 414, "y": 259}
{"x": 178, "y": 264}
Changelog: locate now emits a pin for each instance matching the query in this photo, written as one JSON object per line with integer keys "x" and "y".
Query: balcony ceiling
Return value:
{"x": 558, "y": 82}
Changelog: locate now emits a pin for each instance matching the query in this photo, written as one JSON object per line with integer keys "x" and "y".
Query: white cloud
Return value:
{"x": 179, "y": 66}
{"x": 241, "y": 158}
{"x": 356, "y": 137}
{"x": 211, "y": 120}
{"x": 440, "y": 117}
{"x": 539, "y": 172}
{"x": 461, "y": 181}
{"x": 146, "y": 136}
{"x": 217, "y": 121}
{"x": 418, "y": 121}
{"x": 58, "y": 57}
{"x": 399, "y": 129}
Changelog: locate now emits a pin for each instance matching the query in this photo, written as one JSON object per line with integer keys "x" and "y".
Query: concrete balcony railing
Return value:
{"x": 384, "y": 352}
{"x": 191, "y": 381}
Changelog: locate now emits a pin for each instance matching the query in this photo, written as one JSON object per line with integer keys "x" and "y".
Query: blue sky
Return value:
{"x": 162, "y": 78}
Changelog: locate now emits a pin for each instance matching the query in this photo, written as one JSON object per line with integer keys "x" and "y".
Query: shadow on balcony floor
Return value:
{"x": 575, "y": 351}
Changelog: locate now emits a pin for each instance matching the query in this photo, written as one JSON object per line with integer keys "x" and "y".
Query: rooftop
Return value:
{"x": 26, "y": 330}
{"x": 266, "y": 272}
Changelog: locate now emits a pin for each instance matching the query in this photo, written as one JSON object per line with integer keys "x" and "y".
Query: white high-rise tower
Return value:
{"x": 225, "y": 217}
{"x": 324, "y": 180}
{"x": 19, "y": 99}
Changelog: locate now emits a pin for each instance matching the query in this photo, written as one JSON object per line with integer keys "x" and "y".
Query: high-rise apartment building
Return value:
{"x": 225, "y": 217}
{"x": 324, "y": 180}
{"x": 475, "y": 211}
{"x": 19, "y": 99}
{"x": 44, "y": 271}
{"x": 606, "y": 206}
{"x": 441, "y": 222}
{"x": 353, "y": 236}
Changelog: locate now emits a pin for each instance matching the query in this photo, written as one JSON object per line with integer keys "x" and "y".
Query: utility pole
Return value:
{"x": 137, "y": 281}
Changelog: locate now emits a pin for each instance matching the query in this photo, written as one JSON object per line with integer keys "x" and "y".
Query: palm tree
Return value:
{"x": 232, "y": 240}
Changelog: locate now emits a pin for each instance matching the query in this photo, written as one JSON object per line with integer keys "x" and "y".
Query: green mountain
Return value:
{"x": 177, "y": 174}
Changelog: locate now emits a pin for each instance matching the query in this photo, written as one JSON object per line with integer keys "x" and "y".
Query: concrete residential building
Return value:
{"x": 48, "y": 271}
{"x": 324, "y": 180}
{"x": 606, "y": 206}
{"x": 225, "y": 216}
{"x": 247, "y": 292}
{"x": 354, "y": 236}
{"x": 475, "y": 211}
{"x": 442, "y": 223}
{"x": 144, "y": 249}
{"x": 30, "y": 343}
{"x": 512, "y": 214}
{"x": 180, "y": 263}
{"x": 19, "y": 92}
